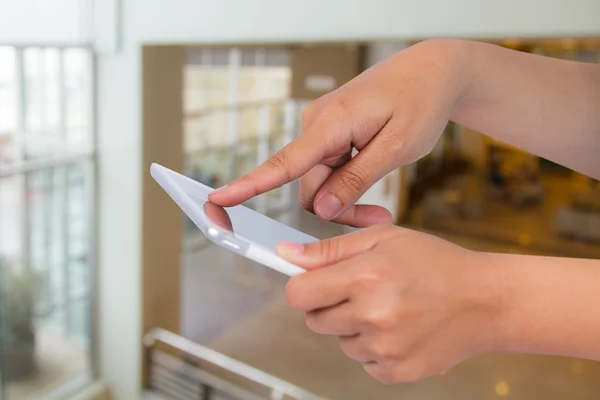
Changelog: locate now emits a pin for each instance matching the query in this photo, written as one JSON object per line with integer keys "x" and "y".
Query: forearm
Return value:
{"x": 546, "y": 106}
{"x": 548, "y": 305}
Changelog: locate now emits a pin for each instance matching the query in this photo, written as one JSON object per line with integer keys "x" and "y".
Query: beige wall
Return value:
{"x": 162, "y": 83}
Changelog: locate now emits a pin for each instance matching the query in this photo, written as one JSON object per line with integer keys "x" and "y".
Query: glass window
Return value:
{"x": 11, "y": 229}
{"x": 8, "y": 104}
{"x": 45, "y": 233}
{"x": 235, "y": 112}
{"x": 77, "y": 89}
{"x": 57, "y": 92}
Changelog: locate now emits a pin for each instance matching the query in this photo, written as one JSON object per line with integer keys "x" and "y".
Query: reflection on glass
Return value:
{"x": 46, "y": 305}
{"x": 8, "y": 104}
{"x": 57, "y": 92}
{"x": 235, "y": 117}
{"x": 44, "y": 219}
{"x": 11, "y": 209}
{"x": 51, "y": 90}
{"x": 33, "y": 90}
{"x": 77, "y": 94}
{"x": 218, "y": 216}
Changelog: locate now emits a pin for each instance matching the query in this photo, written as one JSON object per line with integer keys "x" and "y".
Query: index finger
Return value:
{"x": 289, "y": 163}
{"x": 218, "y": 216}
{"x": 321, "y": 288}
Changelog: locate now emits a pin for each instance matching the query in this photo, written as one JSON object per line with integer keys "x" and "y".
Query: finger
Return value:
{"x": 218, "y": 216}
{"x": 289, "y": 163}
{"x": 392, "y": 372}
{"x": 321, "y": 288}
{"x": 311, "y": 182}
{"x": 339, "y": 320}
{"x": 380, "y": 372}
{"x": 331, "y": 251}
{"x": 355, "y": 349}
{"x": 358, "y": 216}
{"x": 364, "y": 215}
{"x": 348, "y": 183}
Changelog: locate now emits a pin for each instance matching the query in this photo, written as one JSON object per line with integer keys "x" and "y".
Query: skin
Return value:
{"x": 405, "y": 304}
{"x": 408, "y": 305}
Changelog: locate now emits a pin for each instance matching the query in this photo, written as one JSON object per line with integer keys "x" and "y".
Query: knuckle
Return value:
{"x": 367, "y": 280}
{"x": 330, "y": 249}
{"x": 352, "y": 180}
{"x": 401, "y": 140}
{"x": 379, "y": 318}
{"x": 382, "y": 350}
{"x": 341, "y": 103}
{"x": 281, "y": 162}
{"x": 382, "y": 230}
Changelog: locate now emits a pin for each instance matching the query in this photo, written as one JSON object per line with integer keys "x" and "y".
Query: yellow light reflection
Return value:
{"x": 502, "y": 389}
{"x": 568, "y": 43}
{"x": 513, "y": 43}
{"x": 524, "y": 239}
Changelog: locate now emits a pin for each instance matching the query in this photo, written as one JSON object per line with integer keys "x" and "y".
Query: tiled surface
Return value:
{"x": 220, "y": 288}
{"x": 276, "y": 340}
{"x": 238, "y": 308}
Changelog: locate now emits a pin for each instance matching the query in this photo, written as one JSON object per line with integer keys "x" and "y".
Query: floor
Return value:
{"x": 238, "y": 308}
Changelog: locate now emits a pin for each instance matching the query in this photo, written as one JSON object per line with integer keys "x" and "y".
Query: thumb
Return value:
{"x": 332, "y": 251}
{"x": 349, "y": 182}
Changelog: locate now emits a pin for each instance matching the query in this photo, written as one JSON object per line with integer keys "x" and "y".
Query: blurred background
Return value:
{"x": 106, "y": 291}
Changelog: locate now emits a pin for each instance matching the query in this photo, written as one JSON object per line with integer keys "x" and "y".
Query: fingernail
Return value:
{"x": 290, "y": 249}
{"x": 329, "y": 206}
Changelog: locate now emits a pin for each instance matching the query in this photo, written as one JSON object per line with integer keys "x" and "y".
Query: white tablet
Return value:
{"x": 238, "y": 229}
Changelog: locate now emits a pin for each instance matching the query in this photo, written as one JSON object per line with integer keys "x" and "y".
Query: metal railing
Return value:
{"x": 246, "y": 105}
{"x": 209, "y": 375}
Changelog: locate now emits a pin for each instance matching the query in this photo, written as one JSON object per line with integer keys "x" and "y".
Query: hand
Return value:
{"x": 393, "y": 114}
{"x": 404, "y": 304}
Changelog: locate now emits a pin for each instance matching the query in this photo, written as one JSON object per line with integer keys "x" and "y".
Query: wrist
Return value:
{"x": 490, "y": 281}
{"x": 545, "y": 305}
{"x": 456, "y": 59}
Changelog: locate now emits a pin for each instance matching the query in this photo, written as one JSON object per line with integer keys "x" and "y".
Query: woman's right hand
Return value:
{"x": 393, "y": 114}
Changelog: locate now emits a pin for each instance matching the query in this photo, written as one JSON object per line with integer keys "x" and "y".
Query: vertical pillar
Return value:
{"x": 162, "y": 142}
{"x": 262, "y": 150}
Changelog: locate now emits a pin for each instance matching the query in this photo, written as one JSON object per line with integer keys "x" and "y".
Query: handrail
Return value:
{"x": 279, "y": 387}
{"x": 20, "y": 167}
{"x": 249, "y": 140}
{"x": 237, "y": 106}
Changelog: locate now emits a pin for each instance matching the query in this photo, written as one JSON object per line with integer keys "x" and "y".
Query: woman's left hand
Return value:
{"x": 405, "y": 304}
